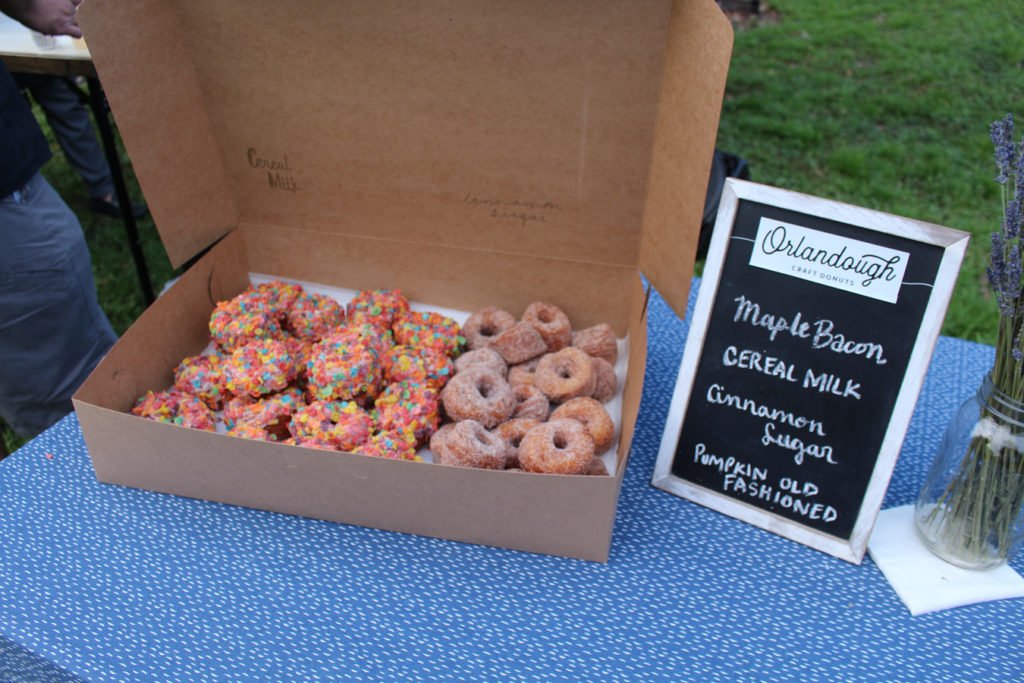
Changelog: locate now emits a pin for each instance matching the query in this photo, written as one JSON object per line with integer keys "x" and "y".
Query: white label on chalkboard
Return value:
{"x": 847, "y": 264}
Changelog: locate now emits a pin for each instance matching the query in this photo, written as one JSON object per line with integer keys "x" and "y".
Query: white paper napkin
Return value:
{"x": 926, "y": 583}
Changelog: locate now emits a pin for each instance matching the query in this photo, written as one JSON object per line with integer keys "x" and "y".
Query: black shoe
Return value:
{"x": 113, "y": 208}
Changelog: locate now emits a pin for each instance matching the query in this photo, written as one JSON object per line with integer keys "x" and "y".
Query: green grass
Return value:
{"x": 880, "y": 104}
{"x": 885, "y": 105}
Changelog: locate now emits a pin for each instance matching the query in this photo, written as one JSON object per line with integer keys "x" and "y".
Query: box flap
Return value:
{"x": 505, "y": 126}
{"x": 696, "y": 66}
{"x": 149, "y": 80}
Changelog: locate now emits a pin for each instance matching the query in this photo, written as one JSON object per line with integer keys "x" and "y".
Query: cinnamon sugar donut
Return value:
{"x": 552, "y": 323}
{"x": 513, "y": 432}
{"x": 438, "y": 437}
{"x": 566, "y": 374}
{"x": 597, "y": 468}
{"x": 607, "y": 383}
{"x": 530, "y": 402}
{"x": 598, "y": 341}
{"x": 523, "y": 373}
{"x": 479, "y": 394}
{"x": 487, "y": 323}
{"x": 591, "y": 415}
{"x": 557, "y": 447}
{"x": 519, "y": 343}
{"x": 468, "y": 444}
{"x": 485, "y": 357}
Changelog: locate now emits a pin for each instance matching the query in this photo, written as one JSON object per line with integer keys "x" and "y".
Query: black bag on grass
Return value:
{"x": 724, "y": 165}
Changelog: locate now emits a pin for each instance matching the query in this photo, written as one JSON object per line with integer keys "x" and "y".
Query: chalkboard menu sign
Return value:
{"x": 807, "y": 348}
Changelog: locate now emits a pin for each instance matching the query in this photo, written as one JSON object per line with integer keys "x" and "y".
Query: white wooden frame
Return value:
{"x": 954, "y": 244}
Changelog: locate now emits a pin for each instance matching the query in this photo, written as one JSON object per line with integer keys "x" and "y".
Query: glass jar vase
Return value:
{"x": 971, "y": 508}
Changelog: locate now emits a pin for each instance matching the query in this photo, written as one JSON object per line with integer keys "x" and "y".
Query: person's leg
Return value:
{"x": 52, "y": 330}
{"x": 69, "y": 119}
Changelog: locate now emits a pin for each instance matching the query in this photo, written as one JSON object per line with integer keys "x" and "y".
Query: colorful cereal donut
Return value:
{"x": 195, "y": 414}
{"x": 530, "y": 402}
{"x": 486, "y": 357}
{"x": 566, "y": 374}
{"x": 417, "y": 364}
{"x": 161, "y": 406}
{"x": 175, "y": 407}
{"x": 374, "y": 338}
{"x": 378, "y": 307}
{"x": 593, "y": 417}
{"x": 487, "y": 323}
{"x": 260, "y": 367}
{"x": 202, "y": 376}
{"x": 313, "y": 316}
{"x": 513, "y": 432}
{"x": 468, "y": 444}
{"x": 319, "y": 444}
{"x": 343, "y": 424}
{"x": 280, "y": 295}
{"x": 598, "y": 341}
{"x": 606, "y": 384}
{"x": 343, "y": 367}
{"x": 391, "y": 445}
{"x": 302, "y": 352}
{"x": 273, "y": 413}
{"x": 552, "y": 323}
{"x": 416, "y": 328}
{"x": 523, "y": 373}
{"x": 246, "y": 430}
{"x": 557, "y": 447}
{"x": 410, "y": 407}
{"x": 519, "y": 343}
{"x": 245, "y": 318}
{"x": 479, "y": 394}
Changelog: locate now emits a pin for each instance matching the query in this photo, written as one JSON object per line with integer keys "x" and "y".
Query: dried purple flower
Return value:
{"x": 1001, "y": 133}
{"x": 1006, "y": 264}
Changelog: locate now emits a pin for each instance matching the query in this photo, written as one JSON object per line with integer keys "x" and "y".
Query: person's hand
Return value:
{"x": 49, "y": 17}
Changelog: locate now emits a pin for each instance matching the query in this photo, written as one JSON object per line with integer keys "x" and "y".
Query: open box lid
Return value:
{"x": 578, "y": 129}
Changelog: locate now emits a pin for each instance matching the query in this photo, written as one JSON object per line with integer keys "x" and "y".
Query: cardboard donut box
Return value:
{"x": 468, "y": 153}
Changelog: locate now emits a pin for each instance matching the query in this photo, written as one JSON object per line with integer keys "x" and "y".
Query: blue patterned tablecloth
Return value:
{"x": 103, "y": 583}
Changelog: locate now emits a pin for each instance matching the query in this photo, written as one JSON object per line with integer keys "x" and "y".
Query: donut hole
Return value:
{"x": 481, "y": 438}
{"x": 545, "y": 316}
{"x": 559, "y": 440}
{"x": 564, "y": 372}
{"x": 484, "y": 389}
{"x": 488, "y": 331}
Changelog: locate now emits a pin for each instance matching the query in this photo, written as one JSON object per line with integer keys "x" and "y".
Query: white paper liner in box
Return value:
{"x": 923, "y": 581}
{"x": 343, "y": 296}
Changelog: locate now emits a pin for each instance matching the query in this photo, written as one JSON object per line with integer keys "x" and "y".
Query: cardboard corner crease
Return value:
{"x": 468, "y": 153}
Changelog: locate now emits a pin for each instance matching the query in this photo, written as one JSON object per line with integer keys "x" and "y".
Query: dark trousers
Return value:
{"x": 52, "y": 330}
{"x": 69, "y": 120}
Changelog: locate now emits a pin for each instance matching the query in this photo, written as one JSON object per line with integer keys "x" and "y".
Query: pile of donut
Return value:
{"x": 374, "y": 377}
